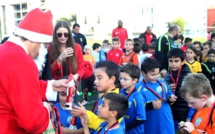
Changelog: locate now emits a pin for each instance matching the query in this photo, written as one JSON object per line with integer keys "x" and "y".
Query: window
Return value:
{"x": 20, "y": 10}
{"x": 152, "y": 10}
{"x": 24, "y": 6}
{"x": 142, "y": 11}
{"x": 98, "y": 19}
{"x": 85, "y": 19}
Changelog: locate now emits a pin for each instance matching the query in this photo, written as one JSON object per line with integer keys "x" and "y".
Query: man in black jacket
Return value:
{"x": 164, "y": 44}
{"x": 78, "y": 37}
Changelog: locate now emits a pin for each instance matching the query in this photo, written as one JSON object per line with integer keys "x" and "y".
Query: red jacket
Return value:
{"x": 57, "y": 70}
{"x": 115, "y": 55}
{"x": 122, "y": 34}
{"x": 21, "y": 107}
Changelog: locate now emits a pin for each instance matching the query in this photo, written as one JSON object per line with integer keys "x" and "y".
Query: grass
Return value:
{"x": 202, "y": 40}
{"x": 91, "y": 100}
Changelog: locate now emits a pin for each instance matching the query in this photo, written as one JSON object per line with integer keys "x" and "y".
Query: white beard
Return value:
{"x": 41, "y": 59}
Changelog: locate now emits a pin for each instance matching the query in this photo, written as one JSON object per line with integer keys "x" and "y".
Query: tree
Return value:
{"x": 180, "y": 22}
{"x": 71, "y": 20}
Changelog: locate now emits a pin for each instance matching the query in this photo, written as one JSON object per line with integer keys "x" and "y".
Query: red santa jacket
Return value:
{"x": 57, "y": 70}
{"x": 21, "y": 92}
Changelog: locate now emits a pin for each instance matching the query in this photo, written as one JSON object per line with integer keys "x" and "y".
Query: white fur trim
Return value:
{"x": 33, "y": 36}
{"x": 51, "y": 95}
{"x": 41, "y": 59}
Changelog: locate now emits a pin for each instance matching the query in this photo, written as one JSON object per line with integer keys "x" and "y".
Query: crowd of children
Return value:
{"x": 138, "y": 93}
{"x": 154, "y": 100}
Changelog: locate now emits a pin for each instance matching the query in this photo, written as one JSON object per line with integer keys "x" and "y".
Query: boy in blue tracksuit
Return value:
{"x": 157, "y": 95}
{"x": 135, "y": 115}
{"x": 113, "y": 108}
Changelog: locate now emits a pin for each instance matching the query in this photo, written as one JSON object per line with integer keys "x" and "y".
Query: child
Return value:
{"x": 213, "y": 45}
{"x": 115, "y": 53}
{"x": 135, "y": 115}
{"x": 65, "y": 116}
{"x": 197, "y": 45}
{"x": 106, "y": 47}
{"x": 143, "y": 56}
{"x": 88, "y": 55}
{"x": 113, "y": 107}
{"x": 87, "y": 82}
{"x": 187, "y": 41}
{"x": 129, "y": 55}
{"x": 208, "y": 68}
{"x": 96, "y": 50}
{"x": 180, "y": 41}
{"x": 194, "y": 65}
{"x": 197, "y": 91}
{"x": 145, "y": 50}
{"x": 152, "y": 49}
{"x": 137, "y": 50}
{"x": 206, "y": 47}
{"x": 156, "y": 94}
{"x": 106, "y": 77}
{"x": 199, "y": 56}
{"x": 178, "y": 71}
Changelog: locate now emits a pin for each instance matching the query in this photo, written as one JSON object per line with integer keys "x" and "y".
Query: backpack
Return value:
{"x": 88, "y": 69}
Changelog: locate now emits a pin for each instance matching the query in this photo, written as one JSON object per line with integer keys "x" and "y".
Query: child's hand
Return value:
{"x": 172, "y": 98}
{"x": 163, "y": 72}
{"x": 189, "y": 127}
{"x": 84, "y": 120}
{"x": 172, "y": 86}
{"x": 156, "y": 104}
{"x": 181, "y": 128}
{"x": 79, "y": 110}
{"x": 65, "y": 130}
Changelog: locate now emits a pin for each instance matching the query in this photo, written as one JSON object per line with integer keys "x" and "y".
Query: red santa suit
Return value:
{"x": 21, "y": 92}
{"x": 122, "y": 34}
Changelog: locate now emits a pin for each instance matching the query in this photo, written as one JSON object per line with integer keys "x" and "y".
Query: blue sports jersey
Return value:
{"x": 158, "y": 121}
{"x": 135, "y": 111}
{"x": 116, "y": 129}
{"x": 65, "y": 117}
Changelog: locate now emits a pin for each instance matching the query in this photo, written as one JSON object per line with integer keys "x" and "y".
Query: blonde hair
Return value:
{"x": 196, "y": 85}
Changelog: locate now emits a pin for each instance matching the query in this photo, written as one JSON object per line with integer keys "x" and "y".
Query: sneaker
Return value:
{"x": 89, "y": 94}
{"x": 80, "y": 93}
{"x": 84, "y": 102}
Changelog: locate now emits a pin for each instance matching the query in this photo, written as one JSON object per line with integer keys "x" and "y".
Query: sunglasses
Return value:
{"x": 64, "y": 34}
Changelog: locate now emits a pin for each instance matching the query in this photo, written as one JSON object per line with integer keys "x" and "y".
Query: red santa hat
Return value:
{"x": 36, "y": 26}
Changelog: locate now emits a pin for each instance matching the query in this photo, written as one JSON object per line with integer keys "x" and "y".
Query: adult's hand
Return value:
{"x": 68, "y": 52}
{"x": 60, "y": 85}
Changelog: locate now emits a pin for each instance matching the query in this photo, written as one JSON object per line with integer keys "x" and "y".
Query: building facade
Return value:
{"x": 98, "y": 18}
{"x": 13, "y": 11}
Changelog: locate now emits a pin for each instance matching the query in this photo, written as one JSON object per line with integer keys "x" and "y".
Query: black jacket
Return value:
{"x": 80, "y": 39}
{"x": 208, "y": 69}
{"x": 162, "y": 48}
{"x": 179, "y": 107}
{"x": 144, "y": 35}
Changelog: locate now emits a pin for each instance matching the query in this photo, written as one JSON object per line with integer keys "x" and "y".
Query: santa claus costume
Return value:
{"x": 21, "y": 92}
